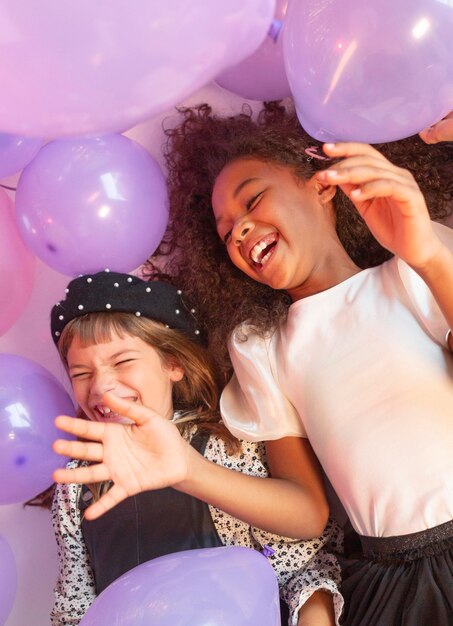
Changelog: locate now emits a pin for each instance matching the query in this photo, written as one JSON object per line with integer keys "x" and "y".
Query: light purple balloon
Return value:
{"x": 262, "y": 75}
{"x": 17, "y": 267}
{"x": 84, "y": 205}
{"x": 30, "y": 399}
{"x": 8, "y": 580}
{"x": 228, "y": 586}
{"x": 83, "y": 67}
{"x": 16, "y": 152}
{"x": 369, "y": 71}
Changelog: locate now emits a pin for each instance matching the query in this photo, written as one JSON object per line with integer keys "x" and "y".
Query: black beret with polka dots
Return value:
{"x": 112, "y": 291}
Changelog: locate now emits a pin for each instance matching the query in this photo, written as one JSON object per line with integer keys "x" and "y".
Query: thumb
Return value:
{"x": 441, "y": 131}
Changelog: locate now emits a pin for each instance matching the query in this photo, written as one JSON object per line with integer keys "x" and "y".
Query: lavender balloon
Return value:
{"x": 369, "y": 71}
{"x": 227, "y": 586}
{"x": 83, "y": 67}
{"x": 30, "y": 399}
{"x": 17, "y": 267}
{"x": 16, "y": 152}
{"x": 262, "y": 76}
{"x": 8, "y": 580}
{"x": 84, "y": 205}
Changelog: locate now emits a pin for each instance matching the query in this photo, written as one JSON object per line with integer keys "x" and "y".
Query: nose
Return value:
{"x": 241, "y": 229}
{"x": 101, "y": 382}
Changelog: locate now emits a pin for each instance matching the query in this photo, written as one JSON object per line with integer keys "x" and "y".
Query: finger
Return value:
{"x": 442, "y": 131}
{"x": 136, "y": 412}
{"x": 385, "y": 188}
{"x": 114, "y": 496}
{"x": 360, "y": 174}
{"x": 83, "y": 450}
{"x": 348, "y": 149}
{"x": 91, "y": 474}
{"x": 80, "y": 427}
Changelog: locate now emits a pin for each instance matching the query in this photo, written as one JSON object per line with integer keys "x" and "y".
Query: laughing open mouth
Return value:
{"x": 262, "y": 251}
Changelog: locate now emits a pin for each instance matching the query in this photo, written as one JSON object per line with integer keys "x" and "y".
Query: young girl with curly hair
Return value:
{"x": 322, "y": 271}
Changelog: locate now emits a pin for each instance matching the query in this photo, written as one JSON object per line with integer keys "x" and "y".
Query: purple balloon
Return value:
{"x": 228, "y": 586}
{"x": 84, "y": 205}
{"x": 16, "y": 152}
{"x": 30, "y": 399}
{"x": 8, "y": 580}
{"x": 369, "y": 71}
{"x": 17, "y": 267}
{"x": 262, "y": 75}
{"x": 82, "y": 67}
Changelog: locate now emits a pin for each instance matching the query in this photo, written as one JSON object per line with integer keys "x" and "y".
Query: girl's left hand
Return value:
{"x": 148, "y": 454}
{"x": 388, "y": 199}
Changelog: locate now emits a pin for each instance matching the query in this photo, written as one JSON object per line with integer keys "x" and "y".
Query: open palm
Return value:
{"x": 148, "y": 454}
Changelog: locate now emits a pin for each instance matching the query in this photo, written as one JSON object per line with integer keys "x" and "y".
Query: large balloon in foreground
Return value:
{"x": 84, "y": 205}
{"x": 85, "y": 67}
{"x": 8, "y": 580}
{"x": 17, "y": 267}
{"x": 228, "y": 586}
{"x": 262, "y": 76}
{"x": 369, "y": 71}
{"x": 30, "y": 399}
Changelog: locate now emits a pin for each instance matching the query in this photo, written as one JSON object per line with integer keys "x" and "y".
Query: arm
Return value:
{"x": 392, "y": 205}
{"x": 151, "y": 454}
{"x": 441, "y": 131}
{"x": 74, "y": 589}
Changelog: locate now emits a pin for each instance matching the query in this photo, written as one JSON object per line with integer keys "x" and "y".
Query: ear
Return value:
{"x": 325, "y": 192}
{"x": 176, "y": 372}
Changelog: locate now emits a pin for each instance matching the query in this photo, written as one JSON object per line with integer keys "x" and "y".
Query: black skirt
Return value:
{"x": 401, "y": 581}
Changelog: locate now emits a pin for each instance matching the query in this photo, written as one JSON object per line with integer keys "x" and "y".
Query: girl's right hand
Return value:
{"x": 441, "y": 131}
{"x": 150, "y": 453}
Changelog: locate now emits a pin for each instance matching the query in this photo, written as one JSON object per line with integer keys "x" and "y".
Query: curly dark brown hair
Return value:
{"x": 192, "y": 255}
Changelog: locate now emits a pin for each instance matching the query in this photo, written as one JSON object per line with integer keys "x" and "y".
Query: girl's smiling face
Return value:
{"x": 128, "y": 367}
{"x": 278, "y": 229}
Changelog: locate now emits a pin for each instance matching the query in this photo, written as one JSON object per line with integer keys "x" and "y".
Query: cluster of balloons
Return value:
{"x": 228, "y": 586}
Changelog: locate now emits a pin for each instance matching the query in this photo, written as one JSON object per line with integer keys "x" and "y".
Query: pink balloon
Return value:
{"x": 16, "y": 152}
{"x": 17, "y": 267}
{"x": 8, "y": 580}
{"x": 369, "y": 71}
{"x": 84, "y": 67}
{"x": 84, "y": 205}
{"x": 262, "y": 75}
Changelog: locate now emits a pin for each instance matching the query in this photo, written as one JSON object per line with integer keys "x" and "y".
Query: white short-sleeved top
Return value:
{"x": 363, "y": 370}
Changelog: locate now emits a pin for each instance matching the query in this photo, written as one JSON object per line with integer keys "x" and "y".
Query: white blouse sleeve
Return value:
{"x": 75, "y": 587}
{"x": 252, "y": 404}
{"x": 422, "y": 300}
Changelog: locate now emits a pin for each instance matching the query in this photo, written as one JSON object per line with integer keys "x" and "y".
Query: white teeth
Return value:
{"x": 256, "y": 250}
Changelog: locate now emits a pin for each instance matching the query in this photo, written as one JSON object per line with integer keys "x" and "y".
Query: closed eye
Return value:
{"x": 123, "y": 362}
{"x": 80, "y": 375}
{"x": 252, "y": 203}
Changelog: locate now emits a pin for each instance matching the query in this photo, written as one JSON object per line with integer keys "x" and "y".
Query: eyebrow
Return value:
{"x": 238, "y": 190}
{"x": 111, "y": 357}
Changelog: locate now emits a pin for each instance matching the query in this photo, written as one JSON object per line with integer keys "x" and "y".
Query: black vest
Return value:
{"x": 145, "y": 526}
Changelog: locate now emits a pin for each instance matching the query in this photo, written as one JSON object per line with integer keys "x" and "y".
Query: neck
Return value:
{"x": 325, "y": 277}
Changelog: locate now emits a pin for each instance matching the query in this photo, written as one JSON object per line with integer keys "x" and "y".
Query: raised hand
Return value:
{"x": 148, "y": 454}
{"x": 387, "y": 197}
{"x": 441, "y": 131}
